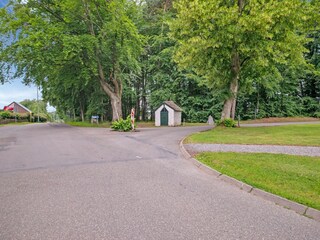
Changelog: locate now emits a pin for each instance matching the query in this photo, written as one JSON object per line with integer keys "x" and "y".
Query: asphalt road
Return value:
{"x": 60, "y": 182}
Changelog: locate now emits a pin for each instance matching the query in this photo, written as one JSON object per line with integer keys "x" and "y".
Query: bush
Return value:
{"x": 5, "y": 114}
{"x": 42, "y": 117}
{"x": 23, "y": 116}
{"x": 122, "y": 125}
{"x": 17, "y": 116}
{"x": 228, "y": 122}
{"x": 317, "y": 115}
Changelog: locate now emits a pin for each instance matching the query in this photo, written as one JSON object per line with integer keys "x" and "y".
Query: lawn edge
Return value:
{"x": 288, "y": 204}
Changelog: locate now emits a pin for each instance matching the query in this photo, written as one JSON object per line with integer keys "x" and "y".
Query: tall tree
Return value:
{"x": 226, "y": 42}
{"x": 98, "y": 37}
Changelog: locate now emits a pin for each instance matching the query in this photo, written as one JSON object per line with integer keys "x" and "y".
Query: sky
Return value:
{"x": 16, "y": 91}
{"x": 3, "y": 2}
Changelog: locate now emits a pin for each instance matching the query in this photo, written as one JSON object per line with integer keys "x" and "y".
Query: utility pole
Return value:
{"x": 38, "y": 101}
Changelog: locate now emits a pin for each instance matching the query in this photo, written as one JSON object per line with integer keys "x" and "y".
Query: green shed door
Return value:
{"x": 164, "y": 117}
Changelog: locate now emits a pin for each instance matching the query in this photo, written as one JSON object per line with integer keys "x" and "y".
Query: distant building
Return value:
{"x": 17, "y": 108}
{"x": 168, "y": 114}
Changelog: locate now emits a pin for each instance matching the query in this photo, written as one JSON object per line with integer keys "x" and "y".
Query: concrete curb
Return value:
{"x": 297, "y": 207}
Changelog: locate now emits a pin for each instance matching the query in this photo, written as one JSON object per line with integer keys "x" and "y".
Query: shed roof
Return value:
{"x": 172, "y": 105}
{"x": 25, "y": 108}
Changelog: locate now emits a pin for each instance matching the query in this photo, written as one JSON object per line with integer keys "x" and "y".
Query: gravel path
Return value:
{"x": 277, "y": 124}
{"x": 293, "y": 150}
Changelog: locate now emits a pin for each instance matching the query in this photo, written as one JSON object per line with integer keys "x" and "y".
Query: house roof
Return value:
{"x": 25, "y": 108}
{"x": 172, "y": 105}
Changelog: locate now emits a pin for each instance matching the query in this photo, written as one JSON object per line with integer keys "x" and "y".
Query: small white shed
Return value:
{"x": 168, "y": 114}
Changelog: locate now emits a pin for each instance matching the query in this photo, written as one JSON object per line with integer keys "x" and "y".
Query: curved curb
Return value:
{"x": 297, "y": 207}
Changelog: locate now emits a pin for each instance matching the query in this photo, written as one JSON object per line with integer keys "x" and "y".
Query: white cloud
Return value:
{"x": 16, "y": 92}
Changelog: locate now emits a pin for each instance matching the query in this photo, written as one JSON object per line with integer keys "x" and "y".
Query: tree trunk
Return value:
{"x": 82, "y": 114}
{"x": 112, "y": 86}
{"x": 81, "y": 110}
{"x": 144, "y": 108}
{"x": 229, "y": 108}
{"x": 116, "y": 108}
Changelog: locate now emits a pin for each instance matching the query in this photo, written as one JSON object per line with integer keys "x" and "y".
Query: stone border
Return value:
{"x": 297, "y": 207}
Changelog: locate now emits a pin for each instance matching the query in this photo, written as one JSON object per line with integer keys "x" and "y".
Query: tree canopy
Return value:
{"x": 220, "y": 58}
{"x": 231, "y": 42}
{"x": 77, "y": 41}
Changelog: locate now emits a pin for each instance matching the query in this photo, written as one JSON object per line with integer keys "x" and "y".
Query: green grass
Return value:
{"x": 88, "y": 124}
{"x": 139, "y": 124}
{"x": 293, "y": 177}
{"x": 15, "y": 124}
{"x": 300, "y": 135}
{"x": 187, "y": 124}
{"x": 143, "y": 124}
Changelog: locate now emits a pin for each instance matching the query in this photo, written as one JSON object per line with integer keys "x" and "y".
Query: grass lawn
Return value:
{"x": 139, "y": 124}
{"x": 88, "y": 124}
{"x": 300, "y": 135}
{"x": 15, "y": 124}
{"x": 281, "y": 120}
{"x": 187, "y": 124}
{"x": 142, "y": 124}
{"x": 293, "y": 177}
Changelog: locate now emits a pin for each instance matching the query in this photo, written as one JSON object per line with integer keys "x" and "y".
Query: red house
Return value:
{"x": 17, "y": 108}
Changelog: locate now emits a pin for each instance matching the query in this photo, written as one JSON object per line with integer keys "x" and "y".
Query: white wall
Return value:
{"x": 171, "y": 116}
{"x": 174, "y": 117}
{"x": 177, "y": 118}
{"x": 157, "y": 116}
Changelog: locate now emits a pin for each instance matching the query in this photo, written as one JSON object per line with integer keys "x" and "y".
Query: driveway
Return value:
{"x": 61, "y": 182}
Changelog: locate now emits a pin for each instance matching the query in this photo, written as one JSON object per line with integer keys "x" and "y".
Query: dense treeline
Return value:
{"x": 219, "y": 58}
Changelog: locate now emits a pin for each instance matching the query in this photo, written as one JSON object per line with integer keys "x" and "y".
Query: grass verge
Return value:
{"x": 281, "y": 120}
{"x": 142, "y": 124}
{"x": 139, "y": 124}
{"x": 296, "y": 178}
{"x": 88, "y": 124}
{"x": 299, "y": 135}
{"x": 15, "y": 124}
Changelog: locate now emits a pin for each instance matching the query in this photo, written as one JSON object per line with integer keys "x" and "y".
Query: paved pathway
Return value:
{"x": 60, "y": 182}
{"x": 293, "y": 150}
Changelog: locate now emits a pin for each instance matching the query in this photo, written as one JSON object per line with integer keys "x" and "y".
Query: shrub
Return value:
{"x": 5, "y": 115}
{"x": 23, "y": 116}
{"x": 228, "y": 122}
{"x": 317, "y": 115}
{"x": 122, "y": 125}
{"x": 12, "y": 115}
{"x": 42, "y": 117}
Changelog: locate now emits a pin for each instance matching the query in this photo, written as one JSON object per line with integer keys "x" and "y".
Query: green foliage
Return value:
{"x": 34, "y": 105}
{"x": 5, "y": 115}
{"x": 229, "y": 43}
{"x": 87, "y": 44}
{"x": 12, "y": 115}
{"x": 23, "y": 116}
{"x": 122, "y": 125}
{"x": 51, "y": 43}
{"x": 42, "y": 117}
{"x": 316, "y": 114}
{"x": 228, "y": 122}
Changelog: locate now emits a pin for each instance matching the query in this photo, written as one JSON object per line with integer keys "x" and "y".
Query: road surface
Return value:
{"x": 61, "y": 182}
